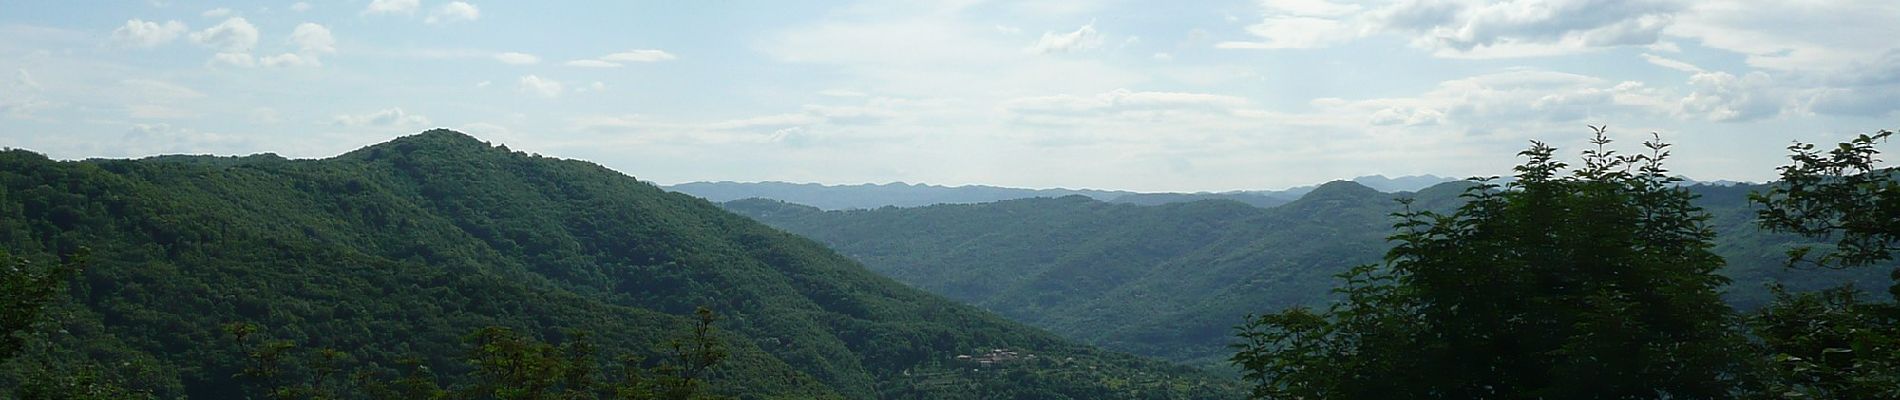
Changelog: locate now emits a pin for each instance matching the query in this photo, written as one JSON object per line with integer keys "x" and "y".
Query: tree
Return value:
{"x": 1837, "y": 192}
{"x": 1598, "y": 284}
{"x": 1834, "y": 344}
{"x": 505, "y": 365}
{"x": 26, "y": 289}
{"x": 509, "y": 365}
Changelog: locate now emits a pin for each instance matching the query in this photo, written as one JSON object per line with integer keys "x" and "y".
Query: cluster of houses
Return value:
{"x": 994, "y": 357}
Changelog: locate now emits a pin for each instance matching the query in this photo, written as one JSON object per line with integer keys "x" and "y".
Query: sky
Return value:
{"x": 1209, "y": 95}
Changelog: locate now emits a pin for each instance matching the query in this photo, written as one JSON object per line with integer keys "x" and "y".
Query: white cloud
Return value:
{"x": 517, "y": 58}
{"x": 591, "y": 63}
{"x": 1572, "y": 23}
{"x": 289, "y": 60}
{"x": 300, "y": 6}
{"x": 1121, "y": 100}
{"x": 234, "y": 59}
{"x": 1466, "y": 28}
{"x": 219, "y": 12}
{"x": 390, "y": 117}
{"x": 1406, "y": 116}
{"x": 25, "y": 80}
{"x": 768, "y": 122}
{"x": 159, "y": 111}
{"x": 1869, "y": 88}
{"x": 1082, "y": 39}
{"x": 842, "y": 93}
{"x": 1296, "y": 32}
{"x": 266, "y": 115}
{"x": 156, "y": 90}
{"x": 234, "y": 35}
{"x": 1704, "y": 63}
{"x": 943, "y": 57}
{"x": 485, "y": 130}
{"x": 1785, "y": 36}
{"x": 1724, "y": 97}
{"x": 310, "y": 42}
{"x": 161, "y": 138}
{"x": 313, "y": 39}
{"x": 1670, "y": 63}
{"x": 617, "y": 60}
{"x": 1145, "y": 120}
{"x": 1520, "y": 97}
{"x": 454, "y": 11}
{"x": 141, "y": 33}
{"x": 1317, "y": 8}
{"x": 382, "y": 7}
{"x": 20, "y": 97}
{"x": 639, "y": 56}
{"x": 867, "y": 121}
{"x": 156, "y": 99}
{"x": 539, "y": 86}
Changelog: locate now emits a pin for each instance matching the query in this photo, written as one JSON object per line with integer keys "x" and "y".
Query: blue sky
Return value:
{"x": 1151, "y": 96}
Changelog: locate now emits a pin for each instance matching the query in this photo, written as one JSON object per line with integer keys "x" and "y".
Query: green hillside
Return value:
{"x": 1172, "y": 280}
{"x": 899, "y": 194}
{"x": 401, "y": 249}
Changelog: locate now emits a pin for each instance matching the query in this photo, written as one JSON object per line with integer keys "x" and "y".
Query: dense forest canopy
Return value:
{"x": 396, "y": 253}
{"x": 439, "y": 266}
{"x": 1592, "y": 281}
{"x": 1599, "y": 283}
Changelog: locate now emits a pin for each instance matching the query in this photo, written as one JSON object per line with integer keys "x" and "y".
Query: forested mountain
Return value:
{"x": 869, "y": 196}
{"x": 1409, "y": 183}
{"x": 1172, "y": 280}
{"x": 844, "y": 197}
{"x": 400, "y": 250}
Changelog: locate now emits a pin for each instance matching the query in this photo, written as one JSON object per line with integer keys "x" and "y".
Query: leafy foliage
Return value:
{"x": 1831, "y": 344}
{"x": 1596, "y": 284}
{"x": 507, "y": 365}
{"x": 1837, "y": 192}
{"x": 1835, "y": 344}
{"x": 25, "y": 289}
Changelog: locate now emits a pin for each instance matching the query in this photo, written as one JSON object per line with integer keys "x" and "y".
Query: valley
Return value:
{"x": 1171, "y": 280}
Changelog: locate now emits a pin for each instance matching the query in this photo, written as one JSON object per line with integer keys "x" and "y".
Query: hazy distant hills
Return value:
{"x": 868, "y": 196}
{"x": 1171, "y": 280}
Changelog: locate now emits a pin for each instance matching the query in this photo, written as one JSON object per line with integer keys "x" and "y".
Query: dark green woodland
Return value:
{"x": 438, "y": 266}
{"x": 1170, "y": 280}
{"x": 396, "y": 258}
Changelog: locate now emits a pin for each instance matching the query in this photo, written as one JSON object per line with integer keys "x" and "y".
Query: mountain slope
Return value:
{"x": 1171, "y": 280}
{"x": 869, "y": 196}
{"x": 1137, "y": 278}
{"x": 866, "y": 196}
{"x": 398, "y": 249}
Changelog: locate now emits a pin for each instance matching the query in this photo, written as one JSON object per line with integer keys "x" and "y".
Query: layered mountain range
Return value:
{"x": 899, "y": 194}
{"x": 400, "y": 250}
{"x": 1171, "y": 280}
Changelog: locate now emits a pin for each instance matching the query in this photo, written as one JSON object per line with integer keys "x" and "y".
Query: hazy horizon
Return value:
{"x": 1225, "y": 95}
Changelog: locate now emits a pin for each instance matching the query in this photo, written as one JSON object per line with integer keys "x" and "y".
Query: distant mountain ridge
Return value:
{"x": 1171, "y": 280}
{"x": 899, "y": 194}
